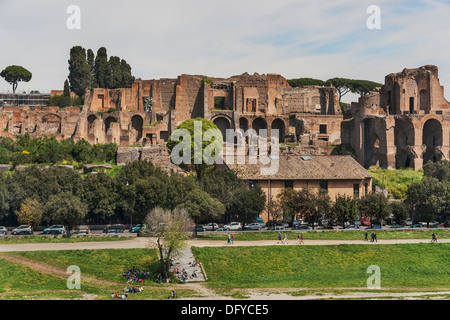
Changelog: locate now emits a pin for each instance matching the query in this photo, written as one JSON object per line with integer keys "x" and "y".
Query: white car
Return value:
{"x": 209, "y": 227}
{"x": 3, "y": 230}
{"x": 23, "y": 229}
{"x": 234, "y": 226}
{"x": 253, "y": 226}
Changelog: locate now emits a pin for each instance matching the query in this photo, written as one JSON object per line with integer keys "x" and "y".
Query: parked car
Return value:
{"x": 374, "y": 226}
{"x": 398, "y": 226}
{"x": 408, "y": 222}
{"x": 23, "y": 229}
{"x": 3, "y": 230}
{"x": 85, "y": 231}
{"x": 115, "y": 230}
{"x": 283, "y": 224}
{"x": 253, "y": 226}
{"x": 416, "y": 226}
{"x": 210, "y": 226}
{"x": 114, "y": 227}
{"x": 233, "y": 226}
{"x": 277, "y": 228}
{"x": 138, "y": 227}
{"x": 296, "y": 223}
{"x": 222, "y": 230}
{"x": 301, "y": 227}
{"x": 438, "y": 225}
{"x": 351, "y": 226}
{"x": 55, "y": 229}
{"x": 261, "y": 222}
{"x": 327, "y": 228}
{"x": 199, "y": 228}
{"x": 365, "y": 222}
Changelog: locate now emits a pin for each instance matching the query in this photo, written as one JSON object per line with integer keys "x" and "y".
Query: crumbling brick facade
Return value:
{"x": 149, "y": 111}
{"x": 404, "y": 124}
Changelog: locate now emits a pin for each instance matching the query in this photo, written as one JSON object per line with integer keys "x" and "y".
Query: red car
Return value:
{"x": 440, "y": 226}
{"x": 365, "y": 222}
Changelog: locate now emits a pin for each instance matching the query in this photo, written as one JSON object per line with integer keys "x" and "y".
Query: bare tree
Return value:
{"x": 169, "y": 232}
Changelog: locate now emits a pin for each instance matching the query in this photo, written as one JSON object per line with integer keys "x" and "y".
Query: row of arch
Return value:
{"x": 224, "y": 123}
{"x": 137, "y": 123}
{"x": 404, "y": 141}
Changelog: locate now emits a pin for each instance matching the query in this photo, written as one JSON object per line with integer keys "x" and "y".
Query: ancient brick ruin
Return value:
{"x": 404, "y": 124}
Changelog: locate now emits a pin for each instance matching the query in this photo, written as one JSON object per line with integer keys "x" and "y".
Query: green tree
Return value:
{"x": 66, "y": 95}
{"x": 168, "y": 234}
{"x": 344, "y": 86}
{"x": 91, "y": 63}
{"x": 127, "y": 77}
{"x": 201, "y": 206}
{"x": 429, "y": 200}
{"x": 439, "y": 170}
{"x": 247, "y": 204}
{"x": 30, "y": 212}
{"x": 345, "y": 209}
{"x": 375, "y": 206}
{"x": 15, "y": 74}
{"x": 101, "y": 67}
{"x": 399, "y": 212}
{"x": 79, "y": 71}
{"x": 303, "y": 82}
{"x": 114, "y": 73}
{"x": 66, "y": 209}
{"x": 194, "y": 148}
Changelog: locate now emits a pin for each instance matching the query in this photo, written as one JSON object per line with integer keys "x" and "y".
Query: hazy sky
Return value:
{"x": 294, "y": 38}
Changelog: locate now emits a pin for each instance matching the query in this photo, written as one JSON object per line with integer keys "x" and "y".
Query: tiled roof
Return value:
{"x": 296, "y": 167}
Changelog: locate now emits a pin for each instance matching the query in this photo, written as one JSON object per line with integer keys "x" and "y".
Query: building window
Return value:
{"x": 366, "y": 188}
{"x": 356, "y": 191}
{"x": 323, "y": 184}
{"x": 219, "y": 103}
{"x": 289, "y": 184}
{"x": 323, "y": 129}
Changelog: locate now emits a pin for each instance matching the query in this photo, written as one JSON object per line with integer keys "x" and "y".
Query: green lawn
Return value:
{"x": 331, "y": 235}
{"x": 342, "y": 266}
{"x": 51, "y": 239}
{"x": 18, "y": 282}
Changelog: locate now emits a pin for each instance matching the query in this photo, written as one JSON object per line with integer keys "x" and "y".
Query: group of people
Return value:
{"x": 284, "y": 240}
{"x": 135, "y": 275}
{"x": 373, "y": 237}
{"x": 230, "y": 239}
{"x": 126, "y": 290}
{"x": 183, "y": 274}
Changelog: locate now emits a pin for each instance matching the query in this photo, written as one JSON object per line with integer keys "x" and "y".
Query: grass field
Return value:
{"x": 51, "y": 239}
{"x": 395, "y": 181}
{"x": 331, "y": 235}
{"x": 231, "y": 270}
{"x": 102, "y": 269}
{"x": 402, "y": 266}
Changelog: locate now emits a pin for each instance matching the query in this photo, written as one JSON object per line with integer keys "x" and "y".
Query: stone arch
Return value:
{"x": 432, "y": 139}
{"x": 243, "y": 124}
{"x": 108, "y": 122}
{"x": 223, "y": 123}
{"x": 91, "y": 119}
{"x": 259, "y": 124}
{"x": 404, "y": 140}
{"x": 137, "y": 124}
{"x": 280, "y": 125}
{"x": 52, "y": 124}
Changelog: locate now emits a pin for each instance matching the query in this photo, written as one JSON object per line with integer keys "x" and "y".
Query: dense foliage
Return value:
{"x": 26, "y": 150}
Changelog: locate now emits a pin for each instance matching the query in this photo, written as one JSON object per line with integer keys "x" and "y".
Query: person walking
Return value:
{"x": 279, "y": 237}
{"x": 433, "y": 237}
{"x": 285, "y": 240}
{"x": 232, "y": 238}
{"x": 365, "y": 236}
{"x": 229, "y": 239}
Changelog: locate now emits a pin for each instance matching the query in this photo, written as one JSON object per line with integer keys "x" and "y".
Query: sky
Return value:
{"x": 164, "y": 39}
